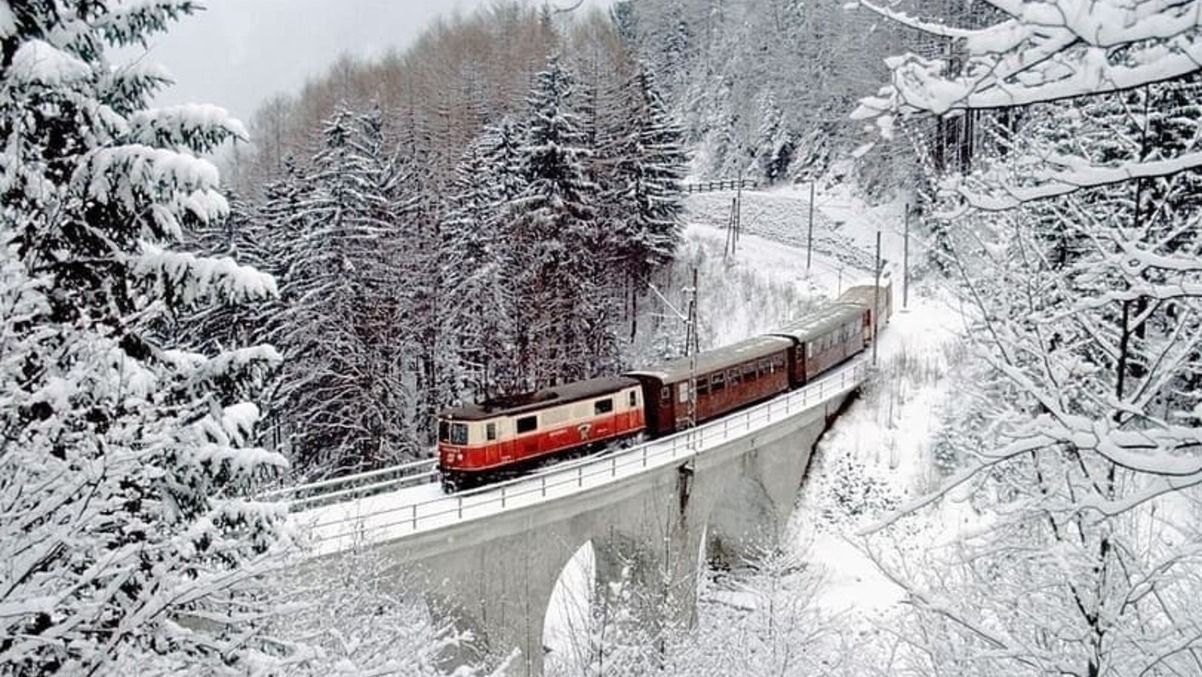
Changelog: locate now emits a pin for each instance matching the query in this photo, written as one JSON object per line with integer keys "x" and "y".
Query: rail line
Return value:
{"x": 335, "y": 525}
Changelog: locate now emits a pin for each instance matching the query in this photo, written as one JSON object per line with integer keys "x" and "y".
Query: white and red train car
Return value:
{"x": 480, "y": 442}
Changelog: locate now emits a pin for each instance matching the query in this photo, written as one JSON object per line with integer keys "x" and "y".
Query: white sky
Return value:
{"x": 237, "y": 53}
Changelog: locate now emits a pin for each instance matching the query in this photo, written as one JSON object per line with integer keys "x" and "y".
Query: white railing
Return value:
{"x": 339, "y": 489}
{"x": 337, "y": 527}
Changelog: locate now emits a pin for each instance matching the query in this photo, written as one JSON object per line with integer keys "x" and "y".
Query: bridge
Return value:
{"x": 488, "y": 560}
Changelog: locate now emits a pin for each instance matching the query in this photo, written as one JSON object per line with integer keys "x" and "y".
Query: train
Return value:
{"x": 501, "y": 438}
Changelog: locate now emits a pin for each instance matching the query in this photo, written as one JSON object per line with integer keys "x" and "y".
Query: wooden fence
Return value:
{"x": 723, "y": 184}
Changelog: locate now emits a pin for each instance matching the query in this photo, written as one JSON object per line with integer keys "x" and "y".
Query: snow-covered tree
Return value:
{"x": 1079, "y": 249}
{"x": 477, "y": 267}
{"x": 644, "y": 199}
{"x": 125, "y": 538}
{"x": 774, "y": 145}
{"x": 346, "y": 390}
{"x": 565, "y": 318}
{"x": 358, "y": 615}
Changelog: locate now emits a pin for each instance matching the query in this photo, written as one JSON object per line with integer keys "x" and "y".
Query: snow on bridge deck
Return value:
{"x": 421, "y": 509}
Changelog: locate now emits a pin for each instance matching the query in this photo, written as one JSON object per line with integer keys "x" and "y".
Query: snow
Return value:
{"x": 38, "y": 61}
{"x": 220, "y": 277}
{"x": 1045, "y": 52}
{"x": 8, "y": 22}
{"x": 147, "y": 125}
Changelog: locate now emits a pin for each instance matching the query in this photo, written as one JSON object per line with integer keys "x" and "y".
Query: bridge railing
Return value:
{"x": 352, "y": 487}
{"x": 337, "y": 527}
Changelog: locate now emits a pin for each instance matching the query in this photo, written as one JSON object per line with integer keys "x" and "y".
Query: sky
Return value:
{"x": 237, "y": 53}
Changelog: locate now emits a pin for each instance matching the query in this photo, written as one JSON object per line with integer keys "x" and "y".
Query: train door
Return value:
{"x": 527, "y": 436}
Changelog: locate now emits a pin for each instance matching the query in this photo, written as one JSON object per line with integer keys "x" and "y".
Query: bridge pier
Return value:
{"x": 497, "y": 591}
{"x": 753, "y": 505}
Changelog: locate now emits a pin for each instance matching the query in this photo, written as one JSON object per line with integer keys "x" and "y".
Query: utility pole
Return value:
{"x": 739, "y": 207}
{"x": 876, "y": 299}
{"x": 906, "y": 263}
{"x": 731, "y": 241}
{"x": 692, "y": 348}
{"x": 810, "y": 246}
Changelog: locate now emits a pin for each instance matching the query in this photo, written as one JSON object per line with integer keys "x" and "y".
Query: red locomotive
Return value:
{"x": 480, "y": 442}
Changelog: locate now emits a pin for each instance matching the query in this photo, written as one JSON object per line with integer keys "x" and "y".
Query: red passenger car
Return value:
{"x": 477, "y": 441}
{"x": 727, "y": 378}
{"x": 863, "y": 296}
{"x": 822, "y": 340}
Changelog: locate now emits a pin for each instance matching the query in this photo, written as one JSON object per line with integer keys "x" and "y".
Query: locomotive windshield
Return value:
{"x": 459, "y": 434}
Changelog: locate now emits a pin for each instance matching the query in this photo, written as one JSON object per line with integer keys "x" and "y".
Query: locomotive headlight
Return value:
{"x": 459, "y": 457}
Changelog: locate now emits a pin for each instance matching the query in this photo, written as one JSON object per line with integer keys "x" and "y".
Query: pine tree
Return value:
{"x": 644, "y": 196}
{"x": 123, "y": 453}
{"x": 563, "y": 314}
{"x": 476, "y": 269}
{"x": 774, "y": 147}
{"x": 240, "y": 237}
{"x": 345, "y": 391}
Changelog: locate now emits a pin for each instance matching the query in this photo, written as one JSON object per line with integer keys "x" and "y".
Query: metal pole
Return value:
{"x": 810, "y": 246}
{"x": 906, "y": 263}
{"x": 693, "y": 355}
{"x": 739, "y": 207}
{"x": 876, "y": 298}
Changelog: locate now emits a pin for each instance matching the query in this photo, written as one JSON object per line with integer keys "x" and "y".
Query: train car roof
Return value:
{"x": 680, "y": 369}
{"x": 820, "y": 322}
{"x": 862, "y": 294}
{"x": 549, "y": 397}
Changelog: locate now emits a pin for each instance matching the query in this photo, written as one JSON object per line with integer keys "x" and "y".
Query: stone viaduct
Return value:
{"x": 490, "y": 561}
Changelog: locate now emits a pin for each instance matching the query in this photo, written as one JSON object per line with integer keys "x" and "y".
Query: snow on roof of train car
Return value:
{"x": 863, "y": 295}
{"x": 549, "y": 397}
{"x": 680, "y": 369}
{"x": 820, "y": 322}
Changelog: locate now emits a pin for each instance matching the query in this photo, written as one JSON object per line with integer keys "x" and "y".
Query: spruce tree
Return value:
{"x": 644, "y": 195}
{"x": 558, "y": 242}
{"x": 344, "y": 390}
{"x": 476, "y": 271}
{"x": 123, "y": 453}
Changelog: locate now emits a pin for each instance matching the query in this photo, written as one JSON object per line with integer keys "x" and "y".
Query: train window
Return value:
{"x": 527, "y": 425}
{"x": 748, "y": 372}
{"x": 703, "y": 386}
{"x": 634, "y": 399}
{"x": 490, "y": 431}
{"x": 684, "y": 392}
{"x": 459, "y": 434}
{"x": 603, "y": 406}
{"x": 717, "y": 382}
{"x": 665, "y": 394}
{"x": 779, "y": 361}
{"x": 810, "y": 350}
{"x": 765, "y": 367}
{"x": 444, "y": 431}
{"x": 732, "y": 376}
